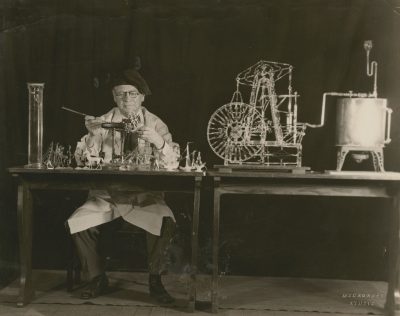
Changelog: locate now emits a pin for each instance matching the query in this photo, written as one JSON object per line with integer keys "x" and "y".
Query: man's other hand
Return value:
{"x": 150, "y": 135}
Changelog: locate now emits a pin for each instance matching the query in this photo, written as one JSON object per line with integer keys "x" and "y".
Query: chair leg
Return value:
{"x": 70, "y": 281}
{"x": 73, "y": 264}
{"x": 73, "y": 270}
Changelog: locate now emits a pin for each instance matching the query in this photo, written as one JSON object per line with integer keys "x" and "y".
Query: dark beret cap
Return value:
{"x": 131, "y": 77}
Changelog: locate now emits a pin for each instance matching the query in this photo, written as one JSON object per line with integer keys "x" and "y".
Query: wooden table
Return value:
{"x": 72, "y": 179}
{"x": 345, "y": 184}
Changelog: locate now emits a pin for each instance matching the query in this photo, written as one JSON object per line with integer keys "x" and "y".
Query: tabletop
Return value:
{"x": 342, "y": 175}
{"x": 20, "y": 170}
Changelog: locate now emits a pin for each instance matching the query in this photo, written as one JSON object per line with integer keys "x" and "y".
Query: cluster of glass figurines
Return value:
{"x": 57, "y": 156}
{"x": 188, "y": 161}
{"x": 60, "y": 156}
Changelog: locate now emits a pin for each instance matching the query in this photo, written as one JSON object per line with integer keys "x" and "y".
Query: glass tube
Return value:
{"x": 35, "y": 136}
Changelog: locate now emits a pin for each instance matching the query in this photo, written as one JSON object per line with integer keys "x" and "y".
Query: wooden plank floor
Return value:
{"x": 239, "y": 295}
{"x": 78, "y": 310}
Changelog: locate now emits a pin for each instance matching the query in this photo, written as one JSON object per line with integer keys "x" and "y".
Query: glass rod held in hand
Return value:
{"x": 73, "y": 111}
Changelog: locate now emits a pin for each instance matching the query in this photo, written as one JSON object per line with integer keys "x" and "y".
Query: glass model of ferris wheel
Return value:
{"x": 265, "y": 130}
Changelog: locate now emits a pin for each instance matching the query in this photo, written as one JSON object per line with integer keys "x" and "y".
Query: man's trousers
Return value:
{"x": 90, "y": 246}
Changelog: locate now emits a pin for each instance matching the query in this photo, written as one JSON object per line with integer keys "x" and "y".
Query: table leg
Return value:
{"x": 24, "y": 211}
{"x": 214, "y": 285}
{"x": 195, "y": 233}
{"x": 393, "y": 293}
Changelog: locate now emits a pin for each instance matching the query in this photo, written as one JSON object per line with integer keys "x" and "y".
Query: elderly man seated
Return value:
{"x": 146, "y": 210}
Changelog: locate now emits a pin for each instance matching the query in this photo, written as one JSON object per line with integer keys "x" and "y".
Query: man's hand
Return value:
{"x": 150, "y": 135}
{"x": 93, "y": 124}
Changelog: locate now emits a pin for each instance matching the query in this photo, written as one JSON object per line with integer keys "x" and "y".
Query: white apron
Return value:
{"x": 143, "y": 209}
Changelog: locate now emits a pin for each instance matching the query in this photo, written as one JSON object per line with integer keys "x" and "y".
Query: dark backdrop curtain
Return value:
{"x": 189, "y": 52}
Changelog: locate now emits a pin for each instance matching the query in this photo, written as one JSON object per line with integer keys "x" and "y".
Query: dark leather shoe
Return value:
{"x": 157, "y": 290}
{"x": 96, "y": 286}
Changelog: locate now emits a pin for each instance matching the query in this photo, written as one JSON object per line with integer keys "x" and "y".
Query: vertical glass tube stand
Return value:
{"x": 35, "y": 137}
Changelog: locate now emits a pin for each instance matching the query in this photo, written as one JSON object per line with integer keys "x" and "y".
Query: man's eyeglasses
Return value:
{"x": 131, "y": 94}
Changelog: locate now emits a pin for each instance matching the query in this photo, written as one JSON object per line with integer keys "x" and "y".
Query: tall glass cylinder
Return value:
{"x": 35, "y": 137}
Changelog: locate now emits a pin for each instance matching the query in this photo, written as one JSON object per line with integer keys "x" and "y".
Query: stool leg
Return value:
{"x": 70, "y": 267}
{"x": 76, "y": 268}
{"x": 73, "y": 264}
{"x": 73, "y": 270}
{"x": 70, "y": 263}
{"x": 70, "y": 281}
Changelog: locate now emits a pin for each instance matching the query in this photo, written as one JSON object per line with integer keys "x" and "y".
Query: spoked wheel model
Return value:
{"x": 230, "y": 130}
